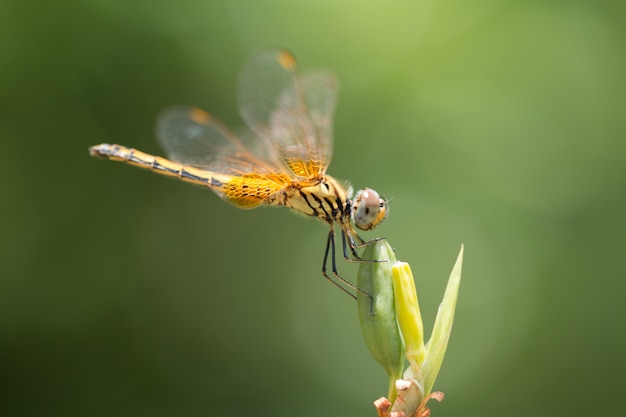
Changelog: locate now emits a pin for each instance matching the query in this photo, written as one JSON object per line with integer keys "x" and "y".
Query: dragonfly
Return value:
{"x": 283, "y": 163}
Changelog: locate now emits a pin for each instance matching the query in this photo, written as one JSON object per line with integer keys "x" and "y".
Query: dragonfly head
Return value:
{"x": 369, "y": 209}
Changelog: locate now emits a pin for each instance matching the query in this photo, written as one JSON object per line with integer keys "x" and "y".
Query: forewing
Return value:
{"x": 196, "y": 139}
{"x": 291, "y": 112}
{"x": 193, "y": 137}
{"x": 320, "y": 89}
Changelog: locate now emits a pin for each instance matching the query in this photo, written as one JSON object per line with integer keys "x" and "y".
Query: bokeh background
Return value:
{"x": 497, "y": 124}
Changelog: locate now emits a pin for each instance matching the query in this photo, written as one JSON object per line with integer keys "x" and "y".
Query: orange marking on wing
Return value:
{"x": 287, "y": 60}
{"x": 199, "y": 116}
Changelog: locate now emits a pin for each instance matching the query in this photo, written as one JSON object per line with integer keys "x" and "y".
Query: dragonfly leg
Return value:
{"x": 337, "y": 279}
{"x": 344, "y": 242}
{"x": 369, "y": 242}
{"x": 350, "y": 238}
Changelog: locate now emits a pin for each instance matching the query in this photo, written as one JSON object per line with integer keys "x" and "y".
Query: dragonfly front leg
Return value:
{"x": 349, "y": 238}
{"x": 336, "y": 278}
{"x": 345, "y": 237}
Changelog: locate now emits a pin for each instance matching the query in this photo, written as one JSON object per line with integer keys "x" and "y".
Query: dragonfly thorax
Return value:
{"x": 324, "y": 198}
{"x": 328, "y": 200}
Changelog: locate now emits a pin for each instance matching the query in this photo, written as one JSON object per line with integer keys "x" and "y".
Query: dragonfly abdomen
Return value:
{"x": 157, "y": 164}
{"x": 244, "y": 191}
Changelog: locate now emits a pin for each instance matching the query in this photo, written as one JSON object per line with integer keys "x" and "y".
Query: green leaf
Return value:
{"x": 436, "y": 346}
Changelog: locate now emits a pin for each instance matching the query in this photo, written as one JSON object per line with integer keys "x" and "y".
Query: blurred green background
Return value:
{"x": 497, "y": 124}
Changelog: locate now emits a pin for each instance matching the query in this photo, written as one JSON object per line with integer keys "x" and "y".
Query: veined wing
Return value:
{"x": 210, "y": 151}
{"x": 292, "y": 112}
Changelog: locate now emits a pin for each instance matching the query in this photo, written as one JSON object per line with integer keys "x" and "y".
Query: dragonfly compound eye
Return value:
{"x": 369, "y": 209}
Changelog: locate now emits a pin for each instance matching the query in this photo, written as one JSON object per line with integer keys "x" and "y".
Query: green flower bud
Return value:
{"x": 395, "y": 320}
{"x": 377, "y": 314}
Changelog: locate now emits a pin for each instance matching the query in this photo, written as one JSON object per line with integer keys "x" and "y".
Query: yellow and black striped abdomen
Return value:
{"x": 245, "y": 191}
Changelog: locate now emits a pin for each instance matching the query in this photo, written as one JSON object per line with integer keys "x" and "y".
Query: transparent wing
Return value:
{"x": 193, "y": 137}
{"x": 292, "y": 112}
